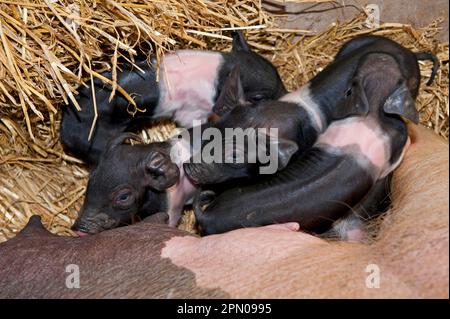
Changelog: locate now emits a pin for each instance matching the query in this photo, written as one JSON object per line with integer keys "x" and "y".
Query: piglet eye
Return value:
{"x": 256, "y": 98}
{"x": 124, "y": 198}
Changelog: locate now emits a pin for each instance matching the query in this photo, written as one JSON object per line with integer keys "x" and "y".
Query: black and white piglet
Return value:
{"x": 349, "y": 157}
{"x": 190, "y": 82}
{"x": 118, "y": 186}
{"x": 305, "y": 113}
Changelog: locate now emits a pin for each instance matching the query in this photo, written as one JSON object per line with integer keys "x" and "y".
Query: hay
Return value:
{"x": 46, "y": 50}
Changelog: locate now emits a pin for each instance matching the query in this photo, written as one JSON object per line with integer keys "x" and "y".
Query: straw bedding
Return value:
{"x": 49, "y": 47}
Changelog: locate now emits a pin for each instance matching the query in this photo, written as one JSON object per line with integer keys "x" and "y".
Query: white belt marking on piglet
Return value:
{"x": 188, "y": 85}
{"x": 303, "y": 97}
{"x": 365, "y": 133}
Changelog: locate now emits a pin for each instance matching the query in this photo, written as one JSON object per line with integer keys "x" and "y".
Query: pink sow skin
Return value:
{"x": 227, "y": 251}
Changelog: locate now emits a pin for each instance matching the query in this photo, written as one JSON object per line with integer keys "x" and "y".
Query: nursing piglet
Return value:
{"x": 347, "y": 160}
{"x": 134, "y": 180}
{"x": 190, "y": 82}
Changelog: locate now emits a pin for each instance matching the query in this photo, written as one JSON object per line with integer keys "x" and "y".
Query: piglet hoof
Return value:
{"x": 158, "y": 218}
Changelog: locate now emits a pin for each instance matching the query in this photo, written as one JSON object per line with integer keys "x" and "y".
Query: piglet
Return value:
{"x": 349, "y": 157}
{"x": 190, "y": 81}
{"x": 134, "y": 179}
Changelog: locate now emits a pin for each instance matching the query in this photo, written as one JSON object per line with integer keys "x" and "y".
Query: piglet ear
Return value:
{"x": 286, "y": 149}
{"x": 239, "y": 43}
{"x": 401, "y": 103}
{"x": 354, "y": 103}
{"x": 232, "y": 93}
{"x": 160, "y": 172}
